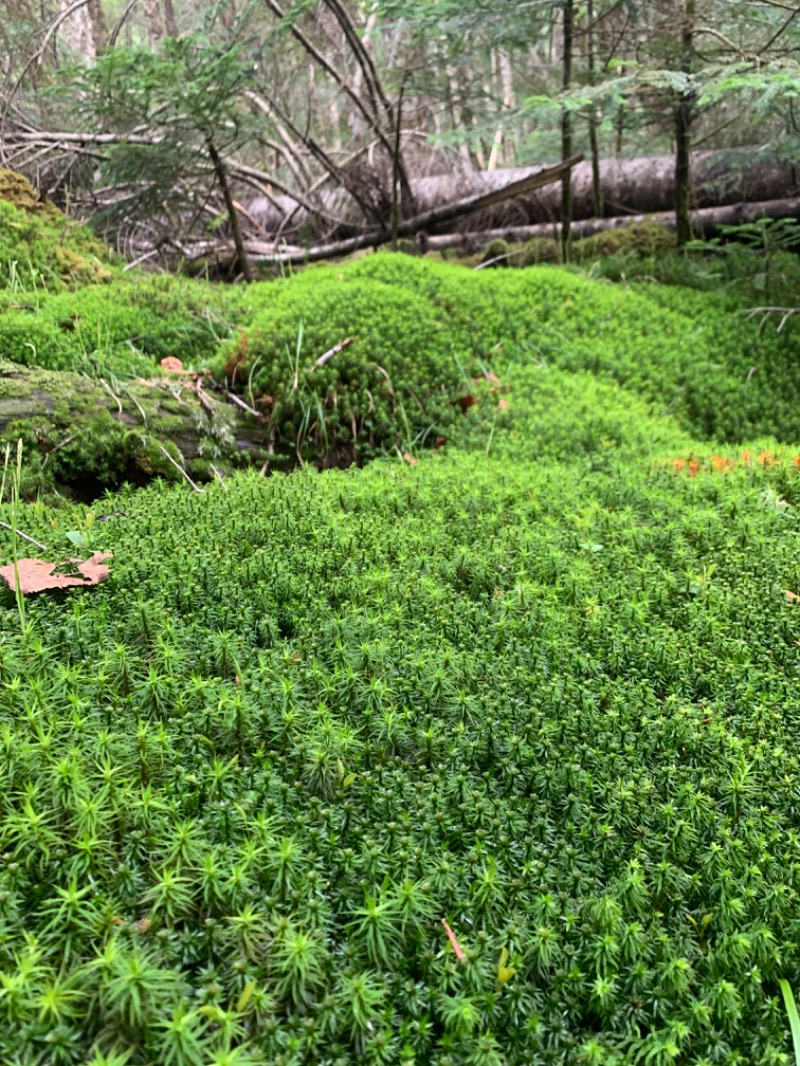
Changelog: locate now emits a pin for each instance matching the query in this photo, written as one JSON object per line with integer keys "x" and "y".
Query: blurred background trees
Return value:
{"x": 308, "y": 120}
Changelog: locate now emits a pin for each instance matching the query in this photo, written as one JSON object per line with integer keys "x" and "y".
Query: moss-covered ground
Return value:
{"x": 484, "y": 753}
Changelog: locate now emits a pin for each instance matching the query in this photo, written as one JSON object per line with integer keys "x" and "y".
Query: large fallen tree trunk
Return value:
{"x": 630, "y": 187}
{"x": 707, "y": 223}
{"x": 265, "y": 252}
{"x": 82, "y": 436}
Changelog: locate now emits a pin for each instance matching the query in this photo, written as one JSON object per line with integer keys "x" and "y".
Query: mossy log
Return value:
{"x": 706, "y": 223}
{"x": 83, "y": 436}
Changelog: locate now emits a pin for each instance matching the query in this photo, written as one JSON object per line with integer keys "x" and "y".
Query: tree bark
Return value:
{"x": 170, "y": 21}
{"x": 153, "y": 21}
{"x": 233, "y": 214}
{"x": 566, "y": 131}
{"x": 594, "y": 148}
{"x": 684, "y": 116}
{"x": 78, "y": 30}
{"x": 629, "y": 187}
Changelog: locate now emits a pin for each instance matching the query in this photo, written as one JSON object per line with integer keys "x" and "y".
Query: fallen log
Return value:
{"x": 706, "y": 222}
{"x": 276, "y": 254}
{"x": 82, "y": 436}
{"x": 643, "y": 185}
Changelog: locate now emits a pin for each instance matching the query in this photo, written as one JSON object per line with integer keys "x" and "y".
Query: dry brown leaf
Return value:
{"x": 38, "y": 575}
{"x": 171, "y": 365}
{"x": 791, "y": 597}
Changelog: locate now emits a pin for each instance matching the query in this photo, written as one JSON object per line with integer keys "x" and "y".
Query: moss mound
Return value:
{"x": 122, "y": 329}
{"x": 19, "y": 192}
{"x": 641, "y": 238}
{"x": 41, "y": 247}
{"x": 474, "y": 757}
{"x": 541, "y": 691}
{"x": 353, "y": 363}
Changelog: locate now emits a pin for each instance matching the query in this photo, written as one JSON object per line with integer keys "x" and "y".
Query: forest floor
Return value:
{"x": 481, "y": 751}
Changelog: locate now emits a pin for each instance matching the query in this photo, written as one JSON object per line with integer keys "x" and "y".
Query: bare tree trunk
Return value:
{"x": 78, "y": 32}
{"x": 233, "y": 214}
{"x": 501, "y": 71}
{"x": 566, "y": 131}
{"x": 594, "y": 148}
{"x": 170, "y": 22}
{"x": 153, "y": 21}
{"x": 684, "y": 116}
{"x": 707, "y": 221}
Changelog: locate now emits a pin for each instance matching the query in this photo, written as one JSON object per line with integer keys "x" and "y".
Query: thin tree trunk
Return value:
{"x": 170, "y": 21}
{"x": 395, "y": 169}
{"x": 233, "y": 214}
{"x": 566, "y": 131}
{"x": 594, "y": 147}
{"x": 684, "y": 116}
{"x": 78, "y": 30}
{"x": 153, "y": 21}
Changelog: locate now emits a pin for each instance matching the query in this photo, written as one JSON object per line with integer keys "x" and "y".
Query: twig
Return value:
{"x": 768, "y": 312}
{"x": 491, "y": 262}
{"x": 323, "y": 359}
{"x": 203, "y": 397}
{"x": 244, "y": 406}
{"x": 218, "y": 476}
{"x": 61, "y": 444}
{"x": 25, "y": 536}
{"x": 180, "y": 469}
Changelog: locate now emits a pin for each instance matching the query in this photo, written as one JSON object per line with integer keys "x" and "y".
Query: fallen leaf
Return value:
{"x": 38, "y": 575}
{"x": 171, "y": 364}
{"x": 791, "y": 597}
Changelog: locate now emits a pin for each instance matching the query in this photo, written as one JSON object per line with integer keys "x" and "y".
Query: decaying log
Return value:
{"x": 706, "y": 223}
{"x": 60, "y": 414}
{"x": 266, "y": 253}
{"x": 630, "y": 187}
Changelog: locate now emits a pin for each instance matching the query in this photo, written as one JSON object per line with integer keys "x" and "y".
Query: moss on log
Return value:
{"x": 82, "y": 437}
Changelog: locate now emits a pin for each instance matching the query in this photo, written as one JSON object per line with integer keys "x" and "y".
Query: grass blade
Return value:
{"x": 794, "y": 1017}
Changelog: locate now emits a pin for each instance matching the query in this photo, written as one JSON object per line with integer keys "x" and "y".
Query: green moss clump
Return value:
{"x": 394, "y": 381}
{"x": 641, "y": 238}
{"x": 536, "y": 251}
{"x": 19, "y": 192}
{"x": 119, "y": 330}
{"x": 496, "y": 249}
{"x": 40, "y": 247}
